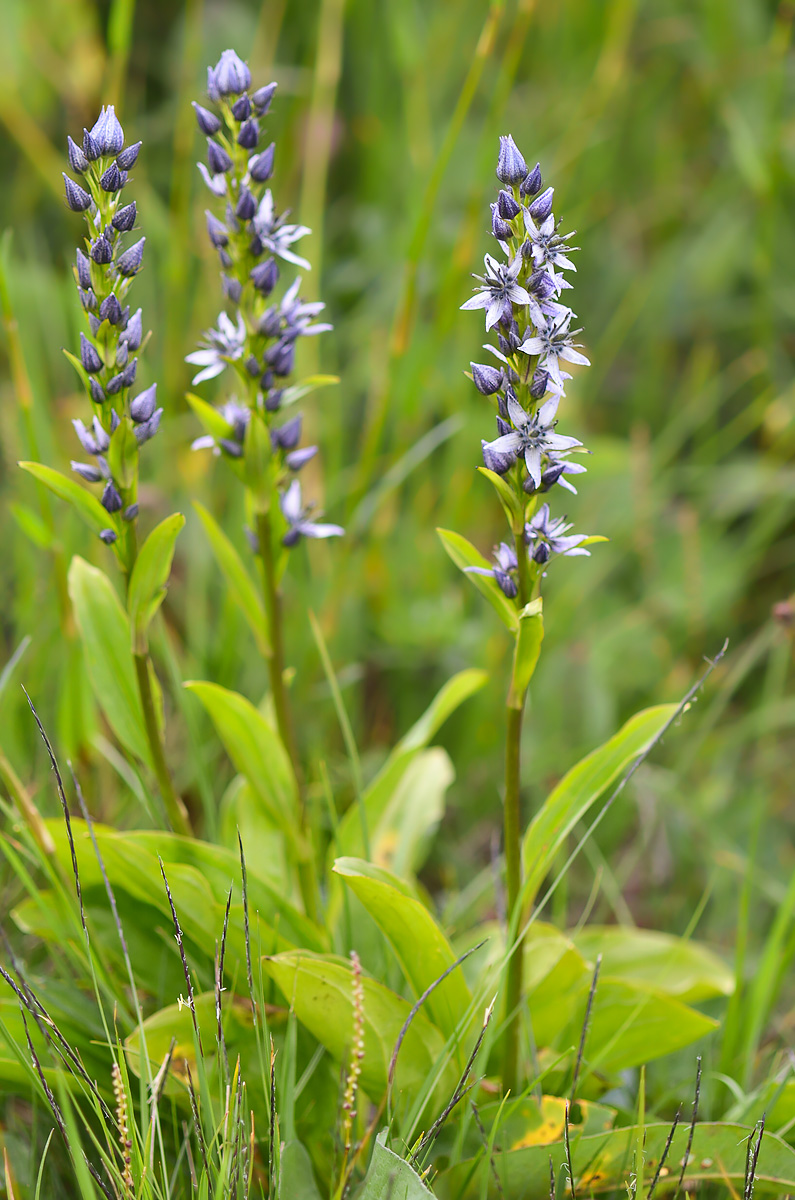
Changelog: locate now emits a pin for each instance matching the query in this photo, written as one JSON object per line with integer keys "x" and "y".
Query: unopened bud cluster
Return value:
{"x": 253, "y": 242}
{"x": 104, "y": 270}
{"x": 520, "y": 292}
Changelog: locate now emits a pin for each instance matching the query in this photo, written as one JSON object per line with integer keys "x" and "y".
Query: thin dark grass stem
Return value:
{"x": 664, "y": 1155}
{"x": 585, "y": 1024}
{"x": 692, "y": 1129}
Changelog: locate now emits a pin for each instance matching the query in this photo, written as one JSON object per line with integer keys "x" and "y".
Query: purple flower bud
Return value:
{"x": 246, "y": 205}
{"x": 260, "y": 167}
{"x": 110, "y": 310}
{"x": 89, "y": 355}
{"x": 538, "y": 387}
{"x": 233, "y": 449}
{"x": 233, "y": 288}
{"x": 265, "y": 276}
{"x": 507, "y": 206}
{"x": 83, "y": 269}
{"x": 133, "y": 334}
{"x": 111, "y": 500}
{"x": 261, "y": 99}
{"x": 499, "y": 228}
{"x": 503, "y": 427}
{"x": 86, "y": 471}
{"x": 212, "y": 85}
{"x": 281, "y": 358}
{"x": 507, "y": 585}
{"x": 122, "y": 354}
{"x": 225, "y": 258}
{"x": 108, "y": 536}
{"x": 249, "y": 134}
{"x": 124, "y": 218}
{"x": 299, "y": 458}
{"x": 232, "y": 76}
{"x": 130, "y": 262}
{"x": 270, "y": 323}
{"x": 143, "y": 406}
{"x": 241, "y": 109}
{"x": 77, "y": 159}
{"x": 130, "y": 512}
{"x": 148, "y": 430}
{"x": 129, "y": 157}
{"x": 77, "y": 198}
{"x": 111, "y": 180}
{"x": 511, "y": 167}
{"x": 218, "y": 159}
{"x": 207, "y": 121}
{"x": 541, "y": 553}
{"x": 97, "y": 391}
{"x": 107, "y": 132}
{"x": 496, "y": 461}
{"x": 217, "y": 231}
{"x": 88, "y": 299}
{"x": 101, "y": 250}
{"x": 540, "y": 283}
{"x": 542, "y": 205}
{"x": 252, "y": 365}
{"x": 487, "y": 379}
{"x": 124, "y": 379}
{"x": 91, "y": 148}
{"x": 531, "y": 185}
{"x": 101, "y": 435}
{"x": 288, "y": 437}
{"x": 273, "y": 399}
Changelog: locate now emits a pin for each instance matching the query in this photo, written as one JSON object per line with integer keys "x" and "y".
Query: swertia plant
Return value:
{"x": 528, "y": 458}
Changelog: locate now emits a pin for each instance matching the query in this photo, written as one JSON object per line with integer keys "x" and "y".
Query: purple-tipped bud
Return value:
{"x": 124, "y": 218}
{"x": 218, "y": 159}
{"x": 261, "y": 99}
{"x": 86, "y": 471}
{"x": 110, "y": 310}
{"x": 122, "y": 354}
{"x": 261, "y": 165}
{"x": 541, "y": 553}
{"x": 83, "y": 269}
{"x": 232, "y": 76}
{"x": 130, "y": 512}
{"x": 101, "y": 435}
{"x": 233, "y": 288}
{"x": 503, "y": 427}
{"x": 288, "y": 437}
{"x": 130, "y": 262}
{"x": 487, "y": 379}
{"x": 111, "y": 500}
{"x": 241, "y": 109}
{"x": 506, "y": 584}
{"x": 273, "y": 398}
{"x": 216, "y": 230}
{"x": 111, "y": 180}
{"x": 542, "y": 205}
{"x": 89, "y": 355}
{"x": 265, "y": 276}
{"x": 299, "y": 458}
{"x": 538, "y": 387}
{"x": 507, "y": 206}
{"x": 77, "y": 159}
{"x": 124, "y": 379}
{"x": 129, "y": 157}
{"x": 511, "y": 167}
{"x": 133, "y": 334}
{"x": 501, "y": 230}
{"x": 246, "y": 205}
{"x": 101, "y": 250}
{"x": 281, "y": 358}
{"x": 97, "y": 391}
{"x": 225, "y": 258}
{"x": 249, "y": 134}
{"x": 270, "y": 323}
{"x": 91, "y": 149}
{"x": 143, "y": 406}
{"x": 108, "y": 536}
{"x": 540, "y": 283}
{"x": 496, "y": 461}
{"x": 148, "y": 430}
{"x": 77, "y": 198}
{"x": 233, "y": 449}
{"x": 107, "y": 132}
{"x": 88, "y": 299}
{"x": 531, "y": 185}
{"x": 212, "y": 86}
{"x": 252, "y": 366}
{"x": 207, "y": 121}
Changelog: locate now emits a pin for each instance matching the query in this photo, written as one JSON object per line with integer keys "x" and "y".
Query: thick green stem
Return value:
{"x": 281, "y": 704}
{"x": 175, "y": 809}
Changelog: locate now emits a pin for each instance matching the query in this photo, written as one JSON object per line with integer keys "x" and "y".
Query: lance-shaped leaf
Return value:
{"x": 464, "y": 555}
{"x": 149, "y": 577}
{"x": 511, "y": 504}
{"x": 526, "y": 651}
{"x": 390, "y": 1177}
{"x": 241, "y": 586}
{"x": 581, "y": 786}
{"x": 105, "y": 633}
{"x": 213, "y": 421}
{"x": 84, "y": 502}
{"x": 297, "y": 391}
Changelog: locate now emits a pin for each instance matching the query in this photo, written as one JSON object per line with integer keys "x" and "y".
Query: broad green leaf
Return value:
{"x": 464, "y": 555}
{"x": 255, "y": 749}
{"x": 526, "y": 651}
{"x": 296, "y": 1177}
{"x": 511, "y": 504}
{"x": 319, "y": 989}
{"x": 214, "y": 422}
{"x": 149, "y": 578}
{"x": 401, "y": 839}
{"x": 84, "y": 502}
{"x": 297, "y": 391}
{"x": 241, "y": 812}
{"x": 378, "y": 795}
{"x": 580, "y": 787}
{"x": 677, "y": 966}
{"x": 421, "y": 947}
{"x": 241, "y": 586}
{"x": 390, "y": 1177}
{"x": 105, "y": 634}
{"x": 603, "y": 1163}
{"x": 123, "y": 453}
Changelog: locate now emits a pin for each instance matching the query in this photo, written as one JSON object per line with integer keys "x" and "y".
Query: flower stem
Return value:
{"x": 175, "y": 808}
{"x": 281, "y": 703}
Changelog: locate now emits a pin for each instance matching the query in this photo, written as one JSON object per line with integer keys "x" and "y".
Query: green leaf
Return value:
{"x": 319, "y": 989}
{"x": 401, "y": 839}
{"x": 464, "y": 555}
{"x": 677, "y": 966}
{"x": 390, "y": 1177}
{"x": 105, "y": 634}
{"x": 150, "y": 576}
{"x": 421, "y": 947}
{"x": 83, "y": 501}
{"x": 580, "y": 787}
{"x": 297, "y": 391}
{"x": 603, "y": 1163}
{"x": 379, "y": 794}
{"x": 526, "y": 651}
{"x": 78, "y": 366}
{"x": 123, "y": 453}
{"x": 296, "y": 1177}
{"x": 255, "y": 749}
{"x": 211, "y": 419}
{"x": 32, "y": 526}
{"x": 511, "y": 504}
{"x": 241, "y": 586}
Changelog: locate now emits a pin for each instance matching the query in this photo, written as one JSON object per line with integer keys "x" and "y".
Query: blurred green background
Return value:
{"x": 667, "y": 128}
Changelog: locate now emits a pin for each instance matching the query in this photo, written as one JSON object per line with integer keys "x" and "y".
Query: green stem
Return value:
{"x": 175, "y": 809}
{"x": 281, "y": 704}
